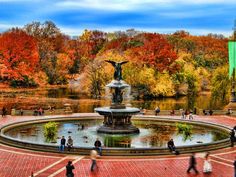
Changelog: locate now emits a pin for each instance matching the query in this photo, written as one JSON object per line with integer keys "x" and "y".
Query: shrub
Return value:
{"x": 184, "y": 129}
{"x": 25, "y": 82}
{"x": 50, "y": 131}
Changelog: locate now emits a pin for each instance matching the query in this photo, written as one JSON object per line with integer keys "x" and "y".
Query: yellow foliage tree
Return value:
{"x": 163, "y": 86}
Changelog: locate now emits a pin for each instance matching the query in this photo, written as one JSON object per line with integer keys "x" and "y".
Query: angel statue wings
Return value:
{"x": 118, "y": 69}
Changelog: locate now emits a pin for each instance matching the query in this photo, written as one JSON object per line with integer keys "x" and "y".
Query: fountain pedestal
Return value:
{"x": 117, "y": 117}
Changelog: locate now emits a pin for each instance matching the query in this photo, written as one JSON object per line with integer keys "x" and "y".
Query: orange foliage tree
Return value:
{"x": 51, "y": 42}
{"x": 154, "y": 51}
{"x": 19, "y": 53}
{"x": 210, "y": 51}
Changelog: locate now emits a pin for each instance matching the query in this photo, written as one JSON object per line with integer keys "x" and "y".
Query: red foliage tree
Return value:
{"x": 19, "y": 53}
{"x": 119, "y": 44}
{"x": 155, "y": 52}
{"x": 90, "y": 43}
{"x": 210, "y": 51}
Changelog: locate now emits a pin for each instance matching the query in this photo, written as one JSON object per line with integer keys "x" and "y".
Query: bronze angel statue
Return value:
{"x": 118, "y": 69}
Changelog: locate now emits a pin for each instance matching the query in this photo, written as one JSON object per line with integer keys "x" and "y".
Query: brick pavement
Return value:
{"x": 21, "y": 163}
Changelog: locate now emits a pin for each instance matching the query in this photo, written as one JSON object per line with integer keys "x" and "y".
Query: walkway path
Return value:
{"x": 22, "y": 163}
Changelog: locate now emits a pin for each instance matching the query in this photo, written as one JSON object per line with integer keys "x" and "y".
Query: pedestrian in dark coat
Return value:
{"x": 210, "y": 112}
{"x": 171, "y": 145}
{"x": 98, "y": 146}
{"x": 4, "y": 112}
{"x": 232, "y": 137}
{"x": 63, "y": 144}
{"x": 69, "y": 169}
{"x": 192, "y": 164}
{"x": 234, "y": 167}
{"x": 157, "y": 110}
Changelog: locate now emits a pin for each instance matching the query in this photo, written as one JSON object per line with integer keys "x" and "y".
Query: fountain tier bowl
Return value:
{"x": 117, "y": 121}
{"x": 106, "y": 111}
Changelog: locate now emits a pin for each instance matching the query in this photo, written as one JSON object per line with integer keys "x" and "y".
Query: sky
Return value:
{"x": 199, "y": 17}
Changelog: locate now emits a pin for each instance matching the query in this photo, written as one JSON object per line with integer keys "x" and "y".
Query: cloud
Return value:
{"x": 6, "y": 26}
{"x": 12, "y": 1}
{"x": 193, "y": 12}
{"x": 123, "y": 5}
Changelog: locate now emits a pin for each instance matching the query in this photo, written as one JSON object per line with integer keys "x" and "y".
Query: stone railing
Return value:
{"x": 15, "y": 112}
{"x": 178, "y": 112}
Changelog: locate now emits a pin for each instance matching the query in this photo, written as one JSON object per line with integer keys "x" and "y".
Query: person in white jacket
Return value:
{"x": 207, "y": 167}
{"x": 93, "y": 156}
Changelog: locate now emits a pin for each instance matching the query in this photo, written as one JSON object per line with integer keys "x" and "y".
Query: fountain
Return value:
{"x": 117, "y": 117}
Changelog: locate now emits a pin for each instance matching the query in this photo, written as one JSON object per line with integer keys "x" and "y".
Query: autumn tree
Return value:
{"x": 90, "y": 43}
{"x": 118, "y": 44}
{"x": 51, "y": 43}
{"x": 155, "y": 52}
{"x": 19, "y": 53}
{"x": 97, "y": 77}
{"x": 209, "y": 51}
{"x": 75, "y": 55}
{"x": 220, "y": 83}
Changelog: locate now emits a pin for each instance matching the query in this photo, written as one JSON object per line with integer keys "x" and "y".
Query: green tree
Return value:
{"x": 220, "y": 83}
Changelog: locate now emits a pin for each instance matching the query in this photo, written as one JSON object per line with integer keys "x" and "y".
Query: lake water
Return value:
{"x": 30, "y": 99}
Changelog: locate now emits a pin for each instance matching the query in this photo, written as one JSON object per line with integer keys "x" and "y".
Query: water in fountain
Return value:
{"x": 107, "y": 93}
{"x": 127, "y": 94}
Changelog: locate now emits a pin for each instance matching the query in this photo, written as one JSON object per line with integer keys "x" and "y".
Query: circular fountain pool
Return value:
{"x": 153, "y": 134}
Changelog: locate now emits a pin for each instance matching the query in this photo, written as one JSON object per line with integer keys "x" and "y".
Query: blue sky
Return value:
{"x": 163, "y": 16}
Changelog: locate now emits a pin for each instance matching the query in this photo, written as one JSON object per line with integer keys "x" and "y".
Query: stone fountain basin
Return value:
{"x": 115, "y": 151}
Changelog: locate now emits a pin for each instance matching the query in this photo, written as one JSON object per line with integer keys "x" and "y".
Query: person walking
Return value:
{"x": 69, "y": 169}
{"x": 62, "y": 144}
{"x": 21, "y": 112}
{"x": 234, "y": 166}
{"x": 183, "y": 114}
{"x": 4, "y": 112}
{"x": 186, "y": 113}
{"x": 157, "y": 110}
{"x": 93, "y": 156}
{"x": 190, "y": 115}
{"x": 232, "y": 137}
{"x": 192, "y": 164}
{"x": 204, "y": 112}
{"x": 98, "y": 146}
{"x": 69, "y": 143}
{"x": 207, "y": 167}
{"x": 210, "y": 112}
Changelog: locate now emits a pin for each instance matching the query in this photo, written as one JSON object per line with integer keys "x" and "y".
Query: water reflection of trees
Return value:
{"x": 27, "y": 131}
{"x": 117, "y": 141}
{"x": 219, "y": 136}
{"x": 29, "y": 99}
{"x": 160, "y": 134}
